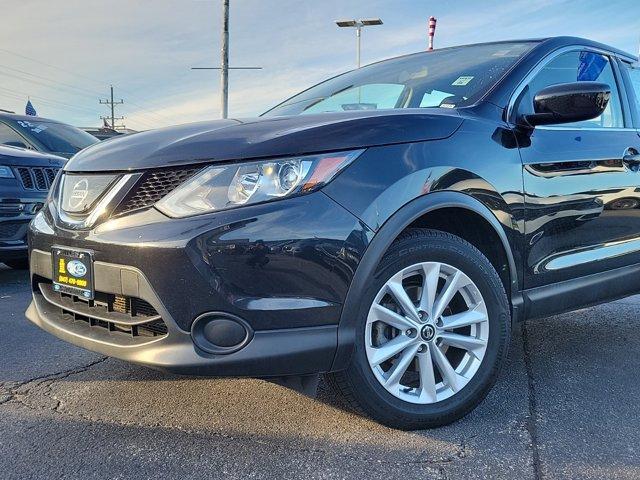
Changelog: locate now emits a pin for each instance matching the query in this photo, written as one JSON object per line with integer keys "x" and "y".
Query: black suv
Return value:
{"x": 25, "y": 178}
{"x": 384, "y": 227}
{"x": 43, "y": 135}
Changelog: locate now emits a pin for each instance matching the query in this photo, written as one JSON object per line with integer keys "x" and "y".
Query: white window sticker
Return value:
{"x": 35, "y": 128}
{"x": 461, "y": 81}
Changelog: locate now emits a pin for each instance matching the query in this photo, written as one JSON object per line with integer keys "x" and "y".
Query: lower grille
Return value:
{"x": 11, "y": 209}
{"x": 120, "y": 316}
{"x": 8, "y": 210}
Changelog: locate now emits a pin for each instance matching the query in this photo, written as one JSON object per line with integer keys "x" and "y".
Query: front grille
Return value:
{"x": 51, "y": 174}
{"x": 120, "y": 316}
{"x": 36, "y": 178}
{"x": 153, "y": 186}
{"x": 11, "y": 230}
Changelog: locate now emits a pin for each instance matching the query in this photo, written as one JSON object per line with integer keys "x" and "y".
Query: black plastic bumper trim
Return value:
{"x": 294, "y": 351}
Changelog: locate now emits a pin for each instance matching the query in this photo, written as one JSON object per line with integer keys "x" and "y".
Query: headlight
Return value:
{"x": 5, "y": 172}
{"x": 220, "y": 187}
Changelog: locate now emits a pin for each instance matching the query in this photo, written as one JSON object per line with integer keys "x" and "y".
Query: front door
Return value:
{"x": 581, "y": 180}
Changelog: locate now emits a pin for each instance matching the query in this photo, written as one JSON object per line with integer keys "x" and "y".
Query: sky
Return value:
{"x": 64, "y": 54}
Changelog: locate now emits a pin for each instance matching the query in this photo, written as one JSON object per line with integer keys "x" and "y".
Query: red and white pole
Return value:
{"x": 432, "y": 31}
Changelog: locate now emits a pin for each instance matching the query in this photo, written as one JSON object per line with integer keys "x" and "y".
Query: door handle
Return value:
{"x": 631, "y": 159}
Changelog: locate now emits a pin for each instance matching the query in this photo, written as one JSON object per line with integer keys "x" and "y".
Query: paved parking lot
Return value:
{"x": 565, "y": 406}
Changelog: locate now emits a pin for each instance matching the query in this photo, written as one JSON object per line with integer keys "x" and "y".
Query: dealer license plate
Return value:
{"x": 73, "y": 272}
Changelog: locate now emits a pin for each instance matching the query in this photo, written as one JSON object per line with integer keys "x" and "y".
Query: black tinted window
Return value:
{"x": 56, "y": 137}
{"x": 573, "y": 67}
{"x": 9, "y": 137}
{"x": 634, "y": 76}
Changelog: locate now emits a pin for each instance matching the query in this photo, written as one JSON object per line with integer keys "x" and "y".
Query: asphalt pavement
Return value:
{"x": 564, "y": 407}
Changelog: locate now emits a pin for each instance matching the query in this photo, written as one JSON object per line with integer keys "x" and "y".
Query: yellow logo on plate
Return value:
{"x": 61, "y": 266}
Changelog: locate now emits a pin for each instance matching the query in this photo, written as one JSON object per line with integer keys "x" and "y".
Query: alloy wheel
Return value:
{"x": 426, "y": 332}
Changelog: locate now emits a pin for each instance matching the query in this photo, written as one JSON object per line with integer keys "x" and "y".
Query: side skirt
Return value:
{"x": 581, "y": 292}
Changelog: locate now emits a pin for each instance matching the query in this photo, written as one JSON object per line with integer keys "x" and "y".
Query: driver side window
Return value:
{"x": 9, "y": 137}
{"x": 578, "y": 66}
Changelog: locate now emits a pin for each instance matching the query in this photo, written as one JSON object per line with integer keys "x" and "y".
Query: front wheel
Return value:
{"x": 434, "y": 331}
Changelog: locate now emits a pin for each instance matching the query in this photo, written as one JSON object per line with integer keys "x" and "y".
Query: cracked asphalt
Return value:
{"x": 565, "y": 407}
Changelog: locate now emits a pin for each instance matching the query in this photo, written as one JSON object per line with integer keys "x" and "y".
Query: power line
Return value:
{"x": 100, "y": 82}
{"x": 73, "y": 87}
{"x": 17, "y": 95}
{"x": 145, "y": 112}
{"x": 21, "y": 95}
{"x": 37, "y": 82}
{"x": 149, "y": 112}
{"x": 55, "y": 67}
{"x": 149, "y": 123}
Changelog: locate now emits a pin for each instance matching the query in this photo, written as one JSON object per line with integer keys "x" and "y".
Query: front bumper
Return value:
{"x": 284, "y": 268}
{"x": 15, "y": 215}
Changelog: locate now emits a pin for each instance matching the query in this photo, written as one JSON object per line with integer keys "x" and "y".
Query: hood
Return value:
{"x": 66, "y": 155}
{"x": 21, "y": 157}
{"x": 241, "y": 139}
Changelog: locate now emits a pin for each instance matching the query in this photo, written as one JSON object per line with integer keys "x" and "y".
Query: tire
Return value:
{"x": 18, "y": 263}
{"x": 400, "y": 400}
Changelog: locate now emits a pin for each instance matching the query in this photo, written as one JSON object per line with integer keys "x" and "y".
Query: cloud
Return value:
{"x": 146, "y": 48}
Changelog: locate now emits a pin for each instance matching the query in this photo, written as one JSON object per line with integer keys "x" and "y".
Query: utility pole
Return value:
{"x": 224, "y": 67}
{"x": 112, "y": 104}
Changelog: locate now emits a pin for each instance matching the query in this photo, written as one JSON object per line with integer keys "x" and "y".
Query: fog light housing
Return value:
{"x": 220, "y": 333}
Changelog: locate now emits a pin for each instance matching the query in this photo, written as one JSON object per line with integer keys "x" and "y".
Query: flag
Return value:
{"x": 29, "y": 110}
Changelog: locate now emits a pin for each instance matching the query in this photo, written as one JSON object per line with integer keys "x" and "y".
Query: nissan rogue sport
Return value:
{"x": 385, "y": 228}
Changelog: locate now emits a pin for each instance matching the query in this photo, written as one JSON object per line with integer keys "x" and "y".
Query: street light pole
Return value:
{"x": 359, "y": 43}
{"x": 358, "y": 25}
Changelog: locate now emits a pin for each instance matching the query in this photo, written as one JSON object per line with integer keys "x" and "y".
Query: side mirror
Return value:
{"x": 568, "y": 102}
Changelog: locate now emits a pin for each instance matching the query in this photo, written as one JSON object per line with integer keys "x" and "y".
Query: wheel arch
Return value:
{"x": 410, "y": 215}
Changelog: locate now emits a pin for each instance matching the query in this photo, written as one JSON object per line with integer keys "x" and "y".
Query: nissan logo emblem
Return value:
{"x": 78, "y": 194}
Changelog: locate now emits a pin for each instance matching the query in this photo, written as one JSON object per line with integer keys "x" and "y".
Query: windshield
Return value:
{"x": 447, "y": 78}
{"x": 55, "y": 137}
